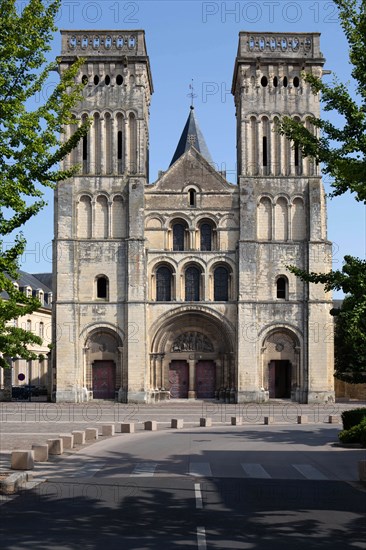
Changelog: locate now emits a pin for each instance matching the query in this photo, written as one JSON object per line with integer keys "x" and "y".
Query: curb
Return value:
{"x": 10, "y": 485}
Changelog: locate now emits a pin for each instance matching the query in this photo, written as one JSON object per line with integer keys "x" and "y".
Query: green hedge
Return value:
{"x": 356, "y": 434}
{"x": 352, "y": 418}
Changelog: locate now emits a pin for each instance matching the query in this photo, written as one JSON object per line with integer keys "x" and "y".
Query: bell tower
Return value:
{"x": 99, "y": 266}
{"x": 283, "y": 321}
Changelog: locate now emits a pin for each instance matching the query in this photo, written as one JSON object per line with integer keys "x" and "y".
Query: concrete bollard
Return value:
{"x": 22, "y": 460}
{"x": 55, "y": 446}
{"x": 268, "y": 420}
{"x": 236, "y": 420}
{"x": 67, "y": 440}
{"x": 333, "y": 419}
{"x": 79, "y": 437}
{"x": 108, "y": 429}
{"x": 91, "y": 434}
{"x": 151, "y": 425}
{"x": 362, "y": 470}
{"x": 177, "y": 423}
{"x": 128, "y": 428}
{"x": 40, "y": 453}
{"x": 302, "y": 419}
{"x": 206, "y": 422}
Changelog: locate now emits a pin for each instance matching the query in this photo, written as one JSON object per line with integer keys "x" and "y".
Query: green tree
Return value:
{"x": 30, "y": 149}
{"x": 342, "y": 153}
{"x": 340, "y": 150}
{"x": 350, "y": 319}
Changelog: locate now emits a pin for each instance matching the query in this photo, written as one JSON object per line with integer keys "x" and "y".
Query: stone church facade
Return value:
{"x": 179, "y": 288}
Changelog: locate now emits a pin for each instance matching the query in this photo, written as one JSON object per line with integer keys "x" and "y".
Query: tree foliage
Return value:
{"x": 30, "y": 149}
{"x": 350, "y": 319}
{"x": 342, "y": 152}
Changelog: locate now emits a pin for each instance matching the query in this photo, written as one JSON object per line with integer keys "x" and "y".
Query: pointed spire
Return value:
{"x": 191, "y": 135}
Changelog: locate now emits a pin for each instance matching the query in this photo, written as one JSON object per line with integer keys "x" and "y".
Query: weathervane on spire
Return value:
{"x": 191, "y": 94}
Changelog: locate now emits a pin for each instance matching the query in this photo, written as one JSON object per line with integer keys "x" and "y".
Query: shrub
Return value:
{"x": 353, "y": 417}
{"x": 356, "y": 434}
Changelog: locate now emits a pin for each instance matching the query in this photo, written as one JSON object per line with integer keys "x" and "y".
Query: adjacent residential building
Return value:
{"x": 179, "y": 288}
{"x": 35, "y": 372}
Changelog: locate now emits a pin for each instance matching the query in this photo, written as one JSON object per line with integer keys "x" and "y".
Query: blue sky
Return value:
{"x": 199, "y": 40}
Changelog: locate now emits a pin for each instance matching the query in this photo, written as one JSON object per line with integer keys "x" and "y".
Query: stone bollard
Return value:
{"x": 151, "y": 425}
{"x": 22, "y": 460}
{"x": 55, "y": 446}
{"x": 79, "y": 437}
{"x": 177, "y": 423}
{"x": 362, "y": 470}
{"x": 333, "y": 419}
{"x": 128, "y": 428}
{"x": 302, "y": 419}
{"x": 40, "y": 453}
{"x": 67, "y": 440}
{"x": 206, "y": 422}
{"x": 268, "y": 419}
{"x": 108, "y": 429}
{"x": 236, "y": 420}
{"x": 91, "y": 434}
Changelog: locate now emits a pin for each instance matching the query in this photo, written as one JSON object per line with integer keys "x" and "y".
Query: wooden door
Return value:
{"x": 205, "y": 379}
{"x": 178, "y": 379}
{"x": 104, "y": 379}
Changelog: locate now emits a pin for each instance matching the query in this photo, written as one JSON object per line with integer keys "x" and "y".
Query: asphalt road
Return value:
{"x": 249, "y": 487}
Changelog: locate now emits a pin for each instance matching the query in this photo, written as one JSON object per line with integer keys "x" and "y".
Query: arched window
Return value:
{"x": 192, "y": 284}
{"x": 192, "y": 197}
{"x": 282, "y": 288}
{"x": 163, "y": 284}
{"x": 206, "y": 236}
{"x": 221, "y": 284}
{"x": 178, "y": 236}
{"x": 102, "y": 288}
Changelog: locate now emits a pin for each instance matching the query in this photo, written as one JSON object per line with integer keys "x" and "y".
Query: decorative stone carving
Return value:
{"x": 192, "y": 341}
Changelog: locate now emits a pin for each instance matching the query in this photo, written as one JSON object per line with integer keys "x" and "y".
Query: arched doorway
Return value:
{"x": 281, "y": 364}
{"x": 103, "y": 364}
{"x": 192, "y": 355}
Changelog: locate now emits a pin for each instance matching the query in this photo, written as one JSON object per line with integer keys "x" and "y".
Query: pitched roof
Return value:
{"x": 41, "y": 281}
{"x": 191, "y": 136}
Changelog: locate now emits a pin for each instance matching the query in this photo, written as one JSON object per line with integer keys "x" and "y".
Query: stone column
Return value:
{"x": 65, "y": 164}
{"x": 103, "y": 145}
{"x": 218, "y": 363}
{"x": 260, "y": 135}
{"x": 210, "y": 295}
{"x": 273, "y": 168}
{"x": 192, "y": 382}
{"x": 86, "y": 382}
{"x": 110, "y": 221}
{"x": 263, "y": 349}
{"x": 225, "y": 381}
{"x": 160, "y": 367}
{"x": 299, "y": 377}
{"x": 152, "y": 370}
{"x": 93, "y": 216}
{"x": 126, "y": 150}
{"x": 283, "y": 156}
{"x": 289, "y": 222}
{"x": 91, "y": 150}
{"x": 174, "y": 287}
{"x": 111, "y": 153}
{"x": 153, "y": 287}
{"x": 203, "y": 287}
